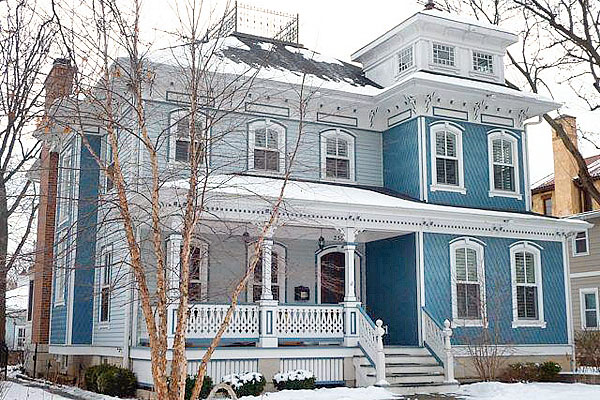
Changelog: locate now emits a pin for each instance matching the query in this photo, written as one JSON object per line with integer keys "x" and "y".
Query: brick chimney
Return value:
{"x": 59, "y": 83}
{"x": 566, "y": 200}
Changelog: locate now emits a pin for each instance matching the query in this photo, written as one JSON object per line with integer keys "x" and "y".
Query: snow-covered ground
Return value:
{"x": 529, "y": 391}
{"x": 341, "y": 393}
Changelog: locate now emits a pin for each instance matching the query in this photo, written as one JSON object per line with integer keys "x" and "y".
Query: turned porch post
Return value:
{"x": 267, "y": 305}
{"x": 350, "y": 302}
{"x": 173, "y": 271}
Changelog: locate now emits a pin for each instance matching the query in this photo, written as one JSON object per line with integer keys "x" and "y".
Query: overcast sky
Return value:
{"x": 340, "y": 27}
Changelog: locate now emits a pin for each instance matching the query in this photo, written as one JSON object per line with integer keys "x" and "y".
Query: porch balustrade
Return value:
{"x": 437, "y": 338}
{"x": 322, "y": 322}
{"x": 205, "y": 320}
{"x": 370, "y": 339}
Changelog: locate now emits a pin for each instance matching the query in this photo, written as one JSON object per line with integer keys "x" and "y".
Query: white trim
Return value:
{"x": 574, "y": 244}
{"x": 337, "y": 249}
{"x": 589, "y": 274}
{"x": 568, "y": 299}
{"x": 104, "y": 251}
{"x": 509, "y": 137}
{"x": 85, "y": 350}
{"x": 520, "y": 350}
{"x": 524, "y": 246}
{"x": 343, "y": 134}
{"x": 420, "y": 152}
{"x": 61, "y": 257}
{"x": 451, "y": 128}
{"x": 582, "y": 309}
{"x": 281, "y": 143}
{"x": 65, "y": 183}
{"x": 526, "y": 168}
{"x": 281, "y": 251}
{"x": 475, "y": 245}
{"x": 422, "y": 158}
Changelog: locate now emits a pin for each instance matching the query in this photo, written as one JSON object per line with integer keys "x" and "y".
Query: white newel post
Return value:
{"x": 449, "y": 361}
{"x": 380, "y": 363}
{"x": 268, "y": 306}
{"x": 350, "y": 303}
{"x": 173, "y": 271}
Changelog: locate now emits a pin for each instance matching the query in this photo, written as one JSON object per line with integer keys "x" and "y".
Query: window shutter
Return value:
{"x": 530, "y": 267}
{"x": 520, "y": 267}
{"x": 472, "y": 265}
{"x": 342, "y": 148}
{"x": 260, "y": 139}
{"x": 461, "y": 265}
{"x": 440, "y": 143}
{"x": 331, "y": 147}
{"x": 273, "y": 139}
{"x": 450, "y": 144}
{"x": 497, "y": 150}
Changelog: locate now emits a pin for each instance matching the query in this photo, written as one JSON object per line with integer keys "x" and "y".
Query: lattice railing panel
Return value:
{"x": 310, "y": 321}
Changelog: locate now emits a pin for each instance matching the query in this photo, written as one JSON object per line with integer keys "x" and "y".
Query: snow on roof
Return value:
{"x": 547, "y": 182}
{"x": 465, "y": 19}
{"x": 242, "y": 54}
{"x": 344, "y": 196}
{"x": 17, "y": 299}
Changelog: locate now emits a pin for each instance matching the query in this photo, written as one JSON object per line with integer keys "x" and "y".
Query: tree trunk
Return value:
{"x": 3, "y": 258}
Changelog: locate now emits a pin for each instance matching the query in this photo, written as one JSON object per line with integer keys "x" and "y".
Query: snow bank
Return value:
{"x": 529, "y": 391}
{"x": 341, "y": 393}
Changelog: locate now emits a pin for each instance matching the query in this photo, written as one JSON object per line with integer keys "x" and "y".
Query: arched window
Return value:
{"x": 181, "y": 137}
{"x": 198, "y": 284}
{"x": 254, "y": 287}
{"x": 468, "y": 282}
{"x": 447, "y": 158}
{"x": 337, "y": 155}
{"x": 527, "y": 295}
{"x": 503, "y": 158}
{"x": 266, "y": 143}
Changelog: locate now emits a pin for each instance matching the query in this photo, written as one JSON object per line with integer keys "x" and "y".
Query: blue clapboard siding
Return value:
{"x": 401, "y": 158}
{"x": 476, "y": 171}
{"x": 86, "y": 243}
{"x": 438, "y": 299}
{"x": 392, "y": 287}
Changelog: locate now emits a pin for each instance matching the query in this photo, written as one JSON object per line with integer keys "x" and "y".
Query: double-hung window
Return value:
{"x": 528, "y": 304}
{"x": 443, "y": 54}
{"x": 65, "y": 183}
{"x": 589, "y": 308}
{"x": 267, "y": 146}
{"x": 503, "y": 164}
{"x": 61, "y": 266}
{"x": 580, "y": 244}
{"x": 20, "y": 337}
{"x": 447, "y": 160}
{"x": 405, "y": 59}
{"x": 483, "y": 62}
{"x": 105, "y": 283}
{"x": 182, "y": 136}
{"x": 337, "y": 155}
{"x": 468, "y": 286}
{"x": 197, "y": 288}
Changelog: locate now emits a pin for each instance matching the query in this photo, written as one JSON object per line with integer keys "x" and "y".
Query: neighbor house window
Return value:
{"x": 198, "y": 283}
{"x": 105, "y": 282}
{"x": 337, "y": 155}
{"x": 181, "y": 136}
{"x": 62, "y": 264}
{"x": 277, "y": 273}
{"x": 527, "y": 285}
{"x": 547, "y": 205}
{"x": 589, "y": 308}
{"x": 580, "y": 244}
{"x": 468, "y": 286}
{"x": 267, "y": 146}
{"x": 447, "y": 168}
{"x": 483, "y": 62}
{"x": 503, "y": 164}
{"x": 20, "y": 336}
{"x": 443, "y": 54}
{"x": 405, "y": 59}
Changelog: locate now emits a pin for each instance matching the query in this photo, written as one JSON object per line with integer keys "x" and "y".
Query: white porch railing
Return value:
{"x": 437, "y": 338}
{"x": 315, "y": 322}
{"x": 370, "y": 339}
{"x": 205, "y": 320}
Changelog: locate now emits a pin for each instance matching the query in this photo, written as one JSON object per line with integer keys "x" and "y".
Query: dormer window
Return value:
{"x": 443, "y": 54}
{"x": 483, "y": 62}
{"x": 267, "y": 146}
{"x": 405, "y": 59}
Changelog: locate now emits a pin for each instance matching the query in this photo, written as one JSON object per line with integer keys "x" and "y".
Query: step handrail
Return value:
{"x": 437, "y": 340}
{"x": 370, "y": 340}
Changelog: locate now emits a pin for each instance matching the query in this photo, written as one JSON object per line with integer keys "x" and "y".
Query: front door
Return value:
{"x": 332, "y": 277}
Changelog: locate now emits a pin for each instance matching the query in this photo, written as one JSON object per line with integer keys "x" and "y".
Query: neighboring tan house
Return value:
{"x": 411, "y": 205}
{"x": 18, "y": 313}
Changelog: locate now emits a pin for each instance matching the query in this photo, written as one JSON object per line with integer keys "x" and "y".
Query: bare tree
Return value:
{"x": 25, "y": 42}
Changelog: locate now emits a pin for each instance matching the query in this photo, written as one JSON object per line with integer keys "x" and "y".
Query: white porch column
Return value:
{"x": 350, "y": 302}
{"x": 268, "y": 306}
{"x": 172, "y": 272}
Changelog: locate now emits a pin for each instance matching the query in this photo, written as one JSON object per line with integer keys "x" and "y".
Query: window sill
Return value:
{"x": 339, "y": 180}
{"x": 265, "y": 172}
{"x": 460, "y": 323}
{"x": 447, "y": 68}
{"x": 59, "y": 303}
{"x": 489, "y": 76}
{"x": 448, "y": 188}
{"x": 104, "y": 325}
{"x": 501, "y": 193}
{"x": 587, "y": 253}
{"x": 528, "y": 324}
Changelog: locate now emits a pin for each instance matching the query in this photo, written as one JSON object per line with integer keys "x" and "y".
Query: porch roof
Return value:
{"x": 344, "y": 205}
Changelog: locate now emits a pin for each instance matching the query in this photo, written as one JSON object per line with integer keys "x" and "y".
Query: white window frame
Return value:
{"x": 349, "y": 138}
{"x": 174, "y": 117}
{"x": 476, "y": 53}
{"x": 587, "y": 244}
{"x": 474, "y": 244}
{"x": 399, "y": 56}
{"x": 509, "y": 137}
{"x": 281, "y": 271}
{"x": 535, "y": 250}
{"x": 65, "y": 183}
{"x": 203, "y": 273}
{"x": 281, "y": 144}
{"x": 61, "y": 258}
{"x": 433, "y": 130}
{"x": 105, "y": 281}
{"x": 452, "y": 56}
{"x": 582, "y": 309}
